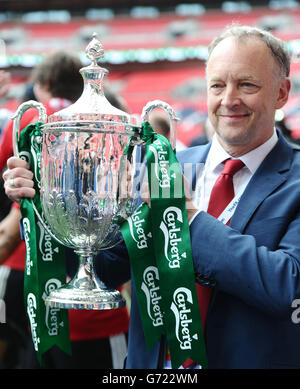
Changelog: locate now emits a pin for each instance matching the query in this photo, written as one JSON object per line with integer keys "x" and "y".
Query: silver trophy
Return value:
{"x": 83, "y": 173}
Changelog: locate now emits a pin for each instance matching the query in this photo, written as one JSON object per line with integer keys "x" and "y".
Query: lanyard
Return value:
{"x": 228, "y": 212}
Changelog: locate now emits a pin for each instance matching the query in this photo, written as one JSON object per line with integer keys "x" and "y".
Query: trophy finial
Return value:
{"x": 94, "y": 49}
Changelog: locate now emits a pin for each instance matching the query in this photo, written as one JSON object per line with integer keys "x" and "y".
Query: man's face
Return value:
{"x": 244, "y": 90}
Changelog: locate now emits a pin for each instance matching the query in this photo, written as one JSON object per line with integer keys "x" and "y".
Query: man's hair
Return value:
{"x": 59, "y": 72}
{"x": 277, "y": 46}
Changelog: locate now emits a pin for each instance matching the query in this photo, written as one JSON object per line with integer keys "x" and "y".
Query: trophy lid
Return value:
{"x": 92, "y": 109}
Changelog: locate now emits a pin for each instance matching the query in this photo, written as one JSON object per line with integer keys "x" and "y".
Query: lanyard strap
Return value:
{"x": 228, "y": 212}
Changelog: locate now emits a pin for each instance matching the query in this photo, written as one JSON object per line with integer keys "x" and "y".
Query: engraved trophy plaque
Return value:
{"x": 82, "y": 169}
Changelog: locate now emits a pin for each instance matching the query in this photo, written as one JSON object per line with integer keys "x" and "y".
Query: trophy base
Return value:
{"x": 69, "y": 297}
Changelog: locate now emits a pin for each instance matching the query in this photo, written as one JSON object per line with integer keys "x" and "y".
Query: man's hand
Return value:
{"x": 191, "y": 209}
{"x": 18, "y": 180}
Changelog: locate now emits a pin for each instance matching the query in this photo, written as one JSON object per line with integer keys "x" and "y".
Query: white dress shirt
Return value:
{"x": 214, "y": 166}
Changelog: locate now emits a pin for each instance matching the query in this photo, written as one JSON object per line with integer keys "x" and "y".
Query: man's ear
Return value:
{"x": 283, "y": 92}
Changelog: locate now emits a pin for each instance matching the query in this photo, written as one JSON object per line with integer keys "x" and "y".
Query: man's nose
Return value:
{"x": 231, "y": 96}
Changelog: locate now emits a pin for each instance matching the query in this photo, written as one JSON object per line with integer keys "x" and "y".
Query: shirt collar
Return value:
{"x": 252, "y": 160}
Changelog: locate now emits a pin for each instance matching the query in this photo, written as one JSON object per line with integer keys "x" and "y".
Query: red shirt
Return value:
{"x": 92, "y": 324}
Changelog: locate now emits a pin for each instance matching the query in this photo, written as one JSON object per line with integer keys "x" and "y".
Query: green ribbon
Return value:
{"x": 159, "y": 247}
{"x": 45, "y": 268}
{"x": 137, "y": 234}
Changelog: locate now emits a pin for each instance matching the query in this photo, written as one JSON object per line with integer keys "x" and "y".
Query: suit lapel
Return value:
{"x": 272, "y": 173}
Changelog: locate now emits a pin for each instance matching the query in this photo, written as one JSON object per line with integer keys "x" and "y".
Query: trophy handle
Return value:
{"x": 18, "y": 116}
{"x": 16, "y": 130}
{"x": 172, "y": 117}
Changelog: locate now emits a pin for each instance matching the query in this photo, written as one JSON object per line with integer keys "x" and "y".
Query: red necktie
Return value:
{"x": 221, "y": 195}
{"x": 222, "y": 192}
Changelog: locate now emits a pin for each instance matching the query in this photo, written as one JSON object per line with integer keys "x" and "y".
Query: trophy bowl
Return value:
{"x": 82, "y": 201}
{"x": 85, "y": 176}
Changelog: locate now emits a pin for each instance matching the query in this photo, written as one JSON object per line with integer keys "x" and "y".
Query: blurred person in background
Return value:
{"x": 281, "y": 124}
{"x": 56, "y": 83}
{"x": 161, "y": 124}
{"x": 97, "y": 337}
{"x": 5, "y": 114}
{"x": 207, "y": 135}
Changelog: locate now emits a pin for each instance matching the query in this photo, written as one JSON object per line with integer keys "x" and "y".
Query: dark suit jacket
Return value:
{"x": 253, "y": 266}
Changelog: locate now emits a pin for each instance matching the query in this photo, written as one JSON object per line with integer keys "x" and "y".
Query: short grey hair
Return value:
{"x": 277, "y": 47}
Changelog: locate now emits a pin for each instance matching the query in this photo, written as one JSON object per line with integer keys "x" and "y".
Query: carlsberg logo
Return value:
{"x": 171, "y": 226}
{"x": 182, "y": 300}
{"x": 161, "y": 162}
{"x": 51, "y": 316}
{"x": 45, "y": 244}
{"x": 152, "y": 292}
{"x": 28, "y": 262}
{"x": 31, "y": 312}
{"x": 137, "y": 231}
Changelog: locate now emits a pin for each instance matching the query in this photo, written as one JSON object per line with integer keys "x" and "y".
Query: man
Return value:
{"x": 250, "y": 261}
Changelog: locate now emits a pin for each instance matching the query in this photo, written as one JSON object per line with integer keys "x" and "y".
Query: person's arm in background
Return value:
{"x": 6, "y": 131}
{"x": 5, "y": 79}
{"x": 10, "y": 236}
